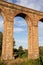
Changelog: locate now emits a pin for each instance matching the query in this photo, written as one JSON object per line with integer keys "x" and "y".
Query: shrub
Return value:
{"x": 2, "y": 63}
{"x": 32, "y": 62}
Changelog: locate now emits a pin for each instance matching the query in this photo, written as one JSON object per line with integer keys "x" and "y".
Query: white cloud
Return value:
{"x": 22, "y": 2}
{"x": 1, "y": 25}
{"x": 19, "y": 21}
{"x": 34, "y": 4}
{"x": 40, "y": 27}
{"x": 18, "y": 29}
{"x": 40, "y": 24}
{"x": 40, "y": 42}
{"x": 22, "y": 43}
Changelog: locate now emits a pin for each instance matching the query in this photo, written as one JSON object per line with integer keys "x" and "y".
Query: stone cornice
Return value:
{"x": 21, "y": 8}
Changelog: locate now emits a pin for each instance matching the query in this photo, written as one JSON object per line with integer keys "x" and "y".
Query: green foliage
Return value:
{"x": 2, "y": 63}
{"x": 20, "y": 48}
{"x": 28, "y": 62}
{"x": 1, "y": 38}
{"x": 32, "y": 62}
{"x": 13, "y": 42}
{"x": 20, "y": 52}
{"x": 25, "y": 54}
{"x": 41, "y": 50}
{"x": 41, "y": 53}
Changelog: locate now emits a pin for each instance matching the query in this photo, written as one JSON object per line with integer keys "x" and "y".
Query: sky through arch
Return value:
{"x": 40, "y": 32}
{"x": 20, "y": 32}
{"x": 1, "y": 24}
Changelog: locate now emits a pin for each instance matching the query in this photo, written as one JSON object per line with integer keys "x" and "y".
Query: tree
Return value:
{"x": 20, "y": 51}
{"x": 1, "y": 38}
{"x": 41, "y": 50}
{"x": 13, "y": 45}
{"x": 13, "y": 42}
{"x": 20, "y": 48}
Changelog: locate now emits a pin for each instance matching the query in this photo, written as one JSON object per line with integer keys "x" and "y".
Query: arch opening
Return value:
{"x": 20, "y": 32}
{"x": 21, "y": 15}
{"x": 40, "y": 32}
{"x": 41, "y": 20}
{"x": 40, "y": 35}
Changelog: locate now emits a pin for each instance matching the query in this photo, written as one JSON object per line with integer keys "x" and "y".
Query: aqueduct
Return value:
{"x": 32, "y": 17}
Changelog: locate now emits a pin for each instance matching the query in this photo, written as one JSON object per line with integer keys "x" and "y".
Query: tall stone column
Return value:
{"x": 33, "y": 50}
{"x": 7, "y": 46}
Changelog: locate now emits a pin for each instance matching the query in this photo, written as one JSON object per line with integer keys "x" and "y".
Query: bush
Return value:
{"x": 41, "y": 54}
{"x": 32, "y": 62}
{"x": 2, "y": 63}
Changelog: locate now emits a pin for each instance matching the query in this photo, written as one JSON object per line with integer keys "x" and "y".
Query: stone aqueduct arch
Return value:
{"x": 32, "y": 17}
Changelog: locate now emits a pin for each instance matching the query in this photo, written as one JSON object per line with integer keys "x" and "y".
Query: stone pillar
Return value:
{"x": 33, "y": 50}
{"x": 7, "y": 46}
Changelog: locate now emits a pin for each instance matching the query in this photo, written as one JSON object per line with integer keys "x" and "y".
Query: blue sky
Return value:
{"x": 20, "y": 25}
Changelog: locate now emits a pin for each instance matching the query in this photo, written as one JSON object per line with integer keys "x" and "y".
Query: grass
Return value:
{"x": 28, "y": 62}
{"x": 32, "y": 62}
{"x": 21, "y": 61}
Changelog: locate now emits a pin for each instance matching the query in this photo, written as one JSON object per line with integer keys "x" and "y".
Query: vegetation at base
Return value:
{"x": 24, "y": 62}
{"x": 32, "y": 62}
{"x": 41, "y": 52}
{"x": 2, "y": 62}
{"x": 24, "y": 54}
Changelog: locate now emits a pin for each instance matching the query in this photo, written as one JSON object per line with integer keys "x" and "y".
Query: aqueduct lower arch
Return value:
{"x": 9, "y": 11}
